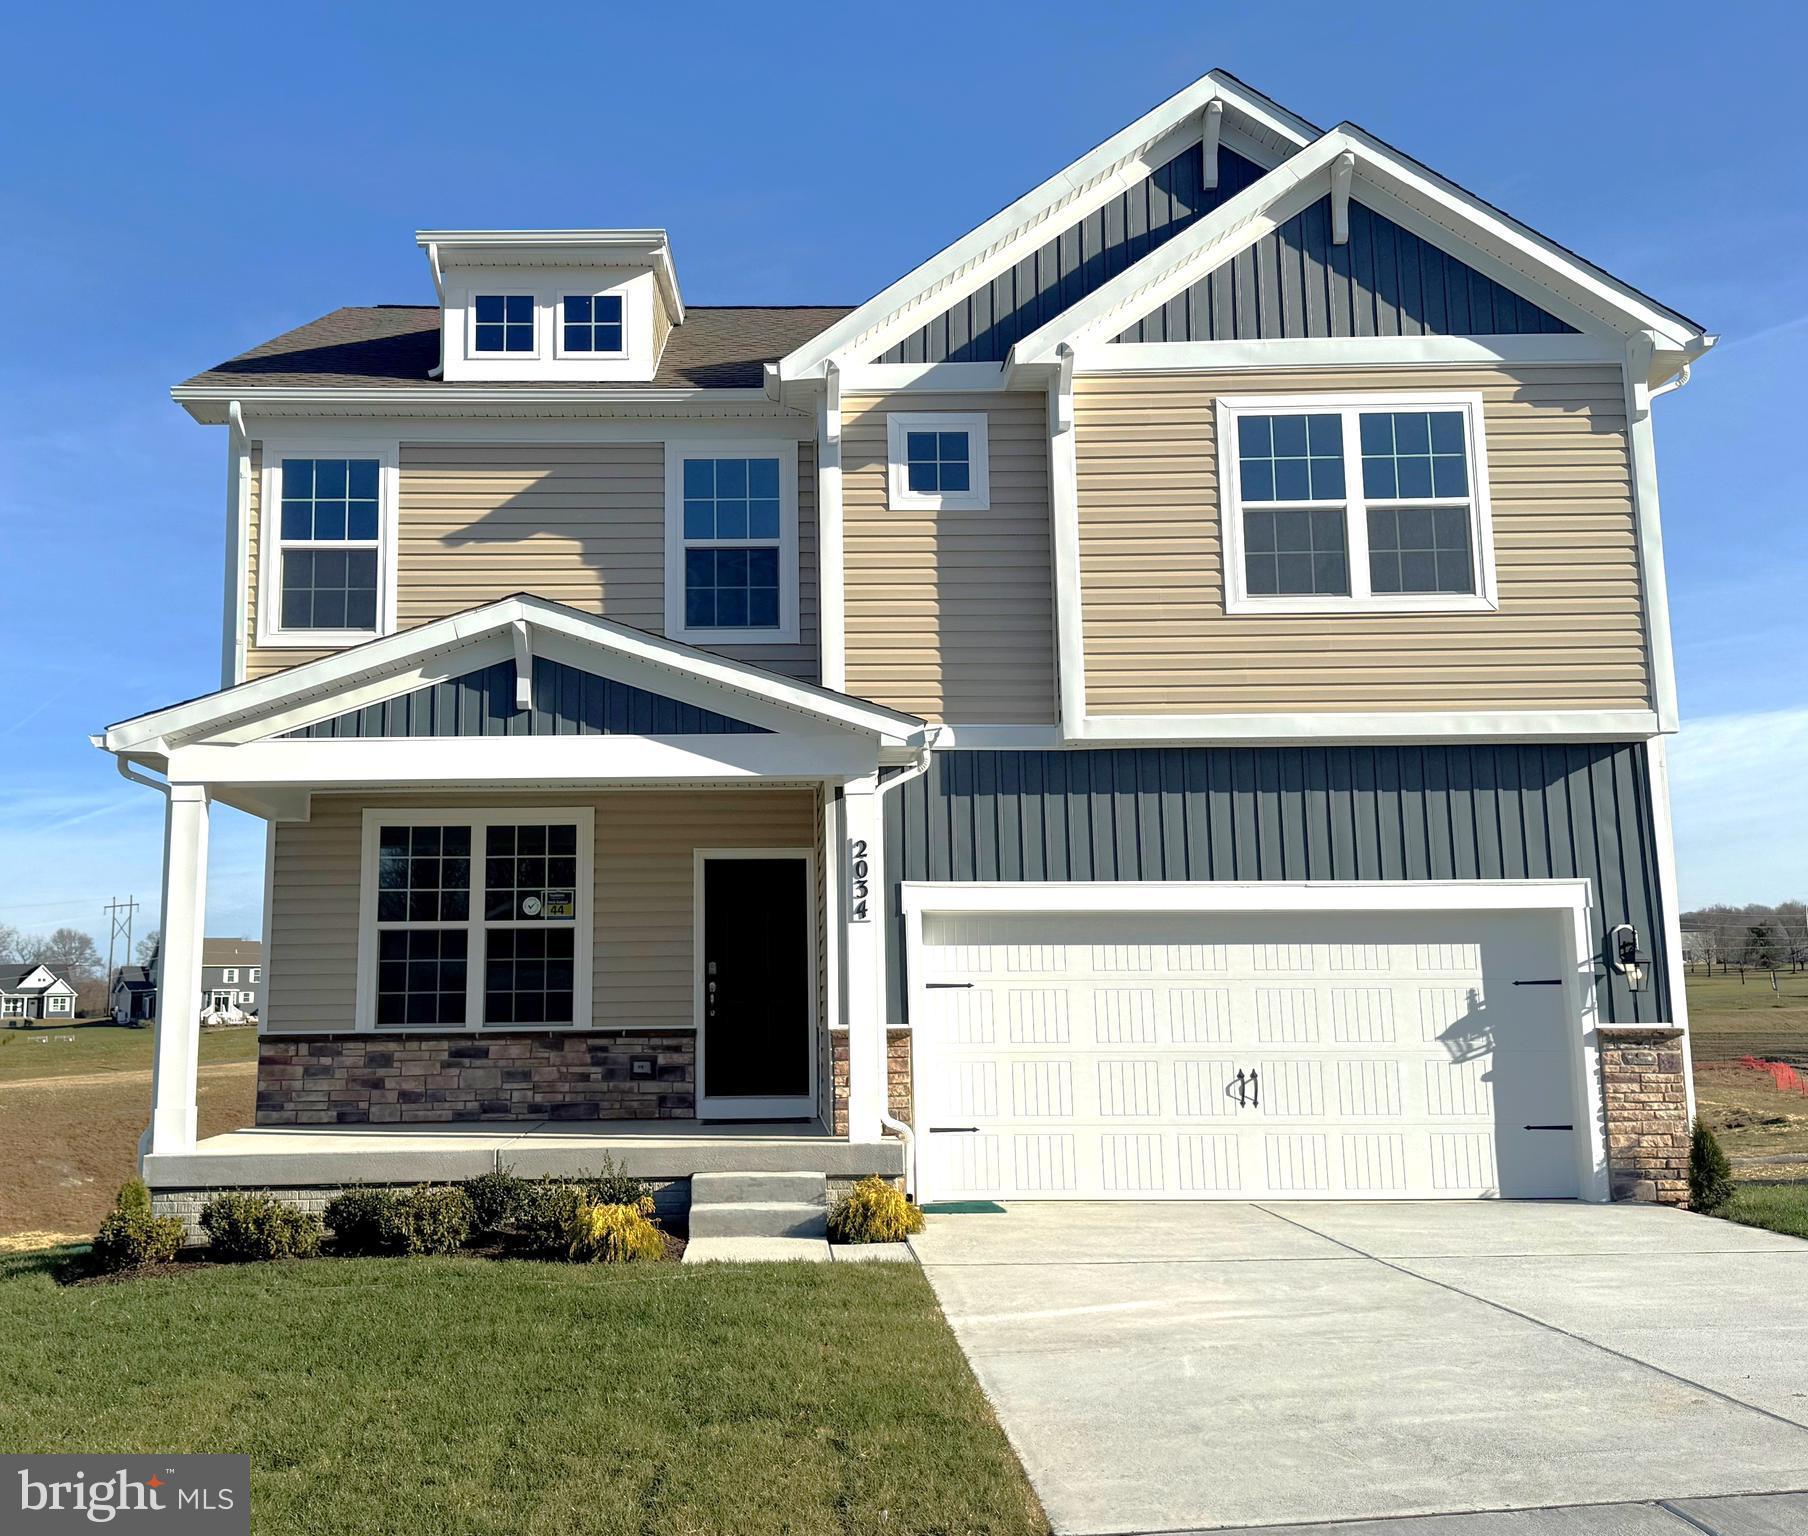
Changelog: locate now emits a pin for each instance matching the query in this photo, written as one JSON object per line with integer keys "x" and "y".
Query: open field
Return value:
{"x": 745, "y": 1399}
{"x": 63, "y": 1050}
{"x": 1729, "y": 1020}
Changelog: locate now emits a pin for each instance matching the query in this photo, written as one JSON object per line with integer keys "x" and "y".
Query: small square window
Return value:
{"x": 939, "y": 461}
{"x": 592, "y": 325}
{"x": 503, "y": 323}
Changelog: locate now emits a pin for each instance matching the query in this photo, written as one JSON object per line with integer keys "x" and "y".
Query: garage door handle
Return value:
{"x": 953, "y": 1130}
{"x": 1255, "y": 1090}
{"x": 944, "y": 986}
{"x": 1242, "y": 1088}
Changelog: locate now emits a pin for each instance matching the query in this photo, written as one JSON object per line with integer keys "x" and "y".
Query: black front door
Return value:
{"x": 756, "y": 987}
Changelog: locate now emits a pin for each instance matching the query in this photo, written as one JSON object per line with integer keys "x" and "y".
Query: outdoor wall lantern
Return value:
{"x": 1622, "y": 945}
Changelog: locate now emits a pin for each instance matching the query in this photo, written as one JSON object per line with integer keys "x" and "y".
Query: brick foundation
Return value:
{"x": 408, "y": 1079}
{"x": 1646, "y": 1104}
{"x": 897, "y": 1076}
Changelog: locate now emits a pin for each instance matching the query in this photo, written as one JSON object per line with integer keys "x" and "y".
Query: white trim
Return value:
{"x": 1485, "y": 596}
{"x": 831, "y": 526}
{"x": 475, "y": 925}
{"x": 755, "y": 1108}
{"x": 924, "y": 378}
{"x": 651, "y": 248}
{"x": 998, "y": 738}
{"x": 269, "y": 920}
{"x": 238, "y": 542}
{"x": 900, "y": 497}
{"x": 1284, "y": 727}
{"x": 1676, "y": 971}
{"x": 1064, "y": 509}
{"x": 616, "y": 291}
{"x": 1342, "y": 352}
{"x": 785, "y": 451}
{"x": 478, "y": 290}
{"x": 1641, "y": 447}
{"x": 279, "y": 445}
{"x": 1568, "y": 900}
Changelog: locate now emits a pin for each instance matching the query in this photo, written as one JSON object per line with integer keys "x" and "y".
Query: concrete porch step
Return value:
{"x": 783, "y": 1205}
{"x": 782, "y": 1188}
{"x": 756, "y": 1250}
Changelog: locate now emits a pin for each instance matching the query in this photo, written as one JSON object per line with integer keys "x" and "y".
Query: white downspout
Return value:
{"x": 439, "y": 289}
{"x": 915, "y": 771}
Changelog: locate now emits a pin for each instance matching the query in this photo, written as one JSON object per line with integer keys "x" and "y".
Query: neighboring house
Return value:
{"x": 134, "y": 996}
{"x": 34, "y": 992}
{"x": 1169, "y": 699}
{"x": 232, "y": 975}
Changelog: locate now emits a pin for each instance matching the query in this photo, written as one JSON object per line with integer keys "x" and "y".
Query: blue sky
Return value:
{"x": 183, "y": 184}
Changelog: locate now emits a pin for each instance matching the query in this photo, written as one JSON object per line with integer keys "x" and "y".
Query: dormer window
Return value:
{"x": 504, "y": 323}
{"x": 593, "y": 325}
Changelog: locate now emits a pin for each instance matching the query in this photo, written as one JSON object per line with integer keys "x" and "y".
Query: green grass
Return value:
{"x": 475, "y": 1396}
{"x": 67, "y": 1050}
{"x": 1775, "y": 1207}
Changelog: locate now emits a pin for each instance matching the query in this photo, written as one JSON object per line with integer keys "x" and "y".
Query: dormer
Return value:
{"x": 552, "y": 305}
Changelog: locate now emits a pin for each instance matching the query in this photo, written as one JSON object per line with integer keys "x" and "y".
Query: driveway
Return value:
{"x": 1175, "y": 1367}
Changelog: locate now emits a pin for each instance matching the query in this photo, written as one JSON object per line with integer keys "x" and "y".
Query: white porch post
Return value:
{"x": 173, "y": 1083}
{"x": 865, "y": 985}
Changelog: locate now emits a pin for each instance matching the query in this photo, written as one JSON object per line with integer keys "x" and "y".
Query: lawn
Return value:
{"x": 66, "y": 1050}
{"x": 476, "y": 1396}
{"x": 1776, "y": 1207}
{"x": 1728, "y": 1019}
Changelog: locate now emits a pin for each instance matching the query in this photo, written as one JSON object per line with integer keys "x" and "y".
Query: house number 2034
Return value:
{"x": 860, "y": 888}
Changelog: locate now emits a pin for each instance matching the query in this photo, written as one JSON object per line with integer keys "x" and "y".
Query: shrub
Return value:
{"x": 612, "y": 1184}
{"x": 358, "y": 1217}
{"x": 874, "y": 1211}
{"x": 129, "y": 1235}
{"x": 545, "y": 1214}
{"x": 1710, "y": 1174}
{"x": 496, "y": 1200}
{"x": 246, "y": 1228}
{"x": 600, "y": 1233}
{"x": 428, "y": 1219}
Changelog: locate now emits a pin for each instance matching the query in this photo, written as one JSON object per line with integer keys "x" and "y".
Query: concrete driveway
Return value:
{"x": 1176, "y": 1367}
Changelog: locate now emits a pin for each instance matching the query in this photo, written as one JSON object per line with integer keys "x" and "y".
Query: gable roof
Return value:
{"x": 1268, "y": 131}
{"x": 403, "y": 659}
{"x": 1576, "y": 291}
{"x": 392, "y": 347}
{"x": 134, "y": 978}
{"x": 11, "y": 977}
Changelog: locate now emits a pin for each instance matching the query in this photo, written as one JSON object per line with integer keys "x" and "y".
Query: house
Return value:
{"x": 34, "y": 992}
{"x": 232, "y": 975}
{"x": 1166, "y": 700}
{"x": 133, "y": 998}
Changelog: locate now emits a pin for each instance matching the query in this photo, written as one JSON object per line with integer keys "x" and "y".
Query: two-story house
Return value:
{"x": 232, "y": 975}
{"x": 1166, "y": 700}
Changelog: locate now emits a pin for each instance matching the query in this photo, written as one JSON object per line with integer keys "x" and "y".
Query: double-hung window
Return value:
{"x": 938, "y": 461}
{"x": 476, "y": 919}
{"x": 731, "y": 537}
{"x": 1371, "y": 503}
{"x": 592, "y": 325}
{"x": 324, "y": 574}
{"x": 503, "y": 324}
{"x": 56, "y": 1004}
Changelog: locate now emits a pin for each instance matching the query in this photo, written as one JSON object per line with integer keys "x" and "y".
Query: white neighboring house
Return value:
{"x": 34, "y": 992}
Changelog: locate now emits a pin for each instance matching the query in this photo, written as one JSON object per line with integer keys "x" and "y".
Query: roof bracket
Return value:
{"x": 524, "y": 665}
{"x": 1343, "y": 171}
{"x": 1208, "y": 142}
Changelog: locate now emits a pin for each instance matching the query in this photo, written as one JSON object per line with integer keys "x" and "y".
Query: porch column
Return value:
{"x": 177, "y": 1045}
{"x": 865, "y": 984}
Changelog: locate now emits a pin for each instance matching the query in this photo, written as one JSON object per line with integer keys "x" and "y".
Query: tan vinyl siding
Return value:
{"x": 644, "y": 898}
{"x": 581, "y": 524}
{"x": 1569, "y": 633}
{"x": 950, "y": 614}
{"x": 662, "y": 320}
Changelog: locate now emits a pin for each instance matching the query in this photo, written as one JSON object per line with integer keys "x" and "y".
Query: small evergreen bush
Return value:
{"x": 544, "y": 1217}
{"x": 243, "y": 1229}
{"x": 426, "y": 1220}
{"x": 1710, "y": 1174}
{"x": 495, "y": 1201}
{"x": 612, "y": 1184}
{"x": 874, "y": 1211}
{"x": 129, "y": 1235}
{"x": 606, "y": 1233}
{"x": 358, "y": 1217}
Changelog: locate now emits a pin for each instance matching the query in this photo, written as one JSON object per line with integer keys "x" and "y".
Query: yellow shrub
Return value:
{"x": 874, "y": 1211}
{"x": 614, "y": 1234}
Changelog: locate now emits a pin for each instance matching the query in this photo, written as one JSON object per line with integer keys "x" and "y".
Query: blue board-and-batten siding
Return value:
{"x": 1294, "y": 284}
{"x": 984, "y": 326}
{"x": 567, "y": 702}
{"x": 1295, "y": 813}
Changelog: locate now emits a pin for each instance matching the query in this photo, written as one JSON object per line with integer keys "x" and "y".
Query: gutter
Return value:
{"x": 439, "y": 288}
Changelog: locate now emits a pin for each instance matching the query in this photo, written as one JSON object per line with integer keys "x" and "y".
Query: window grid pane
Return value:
{"x": 421, "y": 976}
{"x": 529, "y": 870}
{"x": 504, "y": 322}
{"x": 529, "y": 975}
{"x": 1414, "y": 455}
{"x": 729, "y": 585}
{"x": 329, "y": 502}
{"x": 938, "y": 461}
{"x": 593, "y": 324}
{"x": 423, "y": 874}
{"x": 1420, "y": 549}
{"x": 1295, "y": 553}
{"x": 1290, "y": 458}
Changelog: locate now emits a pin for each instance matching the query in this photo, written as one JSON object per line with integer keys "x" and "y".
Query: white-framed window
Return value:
{"x": 475, "y": 919}
{"x": 1373, "y": 503}
{"x": 593, "y": 324}
{"x": 938, "y": 461}
{"x": 327, "y": 554}
{"x": 731, "y": 542}
{"x": 230, "y": 974}
{"x": 56, "y": 1003}
{"x": 254, "y": 975}
{"x": 247, "y": 997}
{"x": 12, "y": 1007}
{"x": 505, "y": 325}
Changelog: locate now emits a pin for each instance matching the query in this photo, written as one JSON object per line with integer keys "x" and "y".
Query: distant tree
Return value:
{"x": 1762, "y": 950}
{"x": 15, "y": 948}
{"x": 147, "y": 946}
{"x": 91, "y": 998}
{"x": 70, "y": 953}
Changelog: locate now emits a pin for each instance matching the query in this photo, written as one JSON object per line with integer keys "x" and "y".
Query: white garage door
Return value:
{"x": 1136, "y": 1056}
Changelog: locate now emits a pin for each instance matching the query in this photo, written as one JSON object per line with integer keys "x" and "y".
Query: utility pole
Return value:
{"x": 121, "y": 914}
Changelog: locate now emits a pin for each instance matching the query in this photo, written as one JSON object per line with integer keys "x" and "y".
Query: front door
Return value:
{"x": 756, "y": 988}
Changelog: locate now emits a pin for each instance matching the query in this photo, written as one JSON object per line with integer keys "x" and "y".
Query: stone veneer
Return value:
{"x": 897, "y": 1076}
{"x": 1646, "y": 1104}
{"x": 410, "y": 1079}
